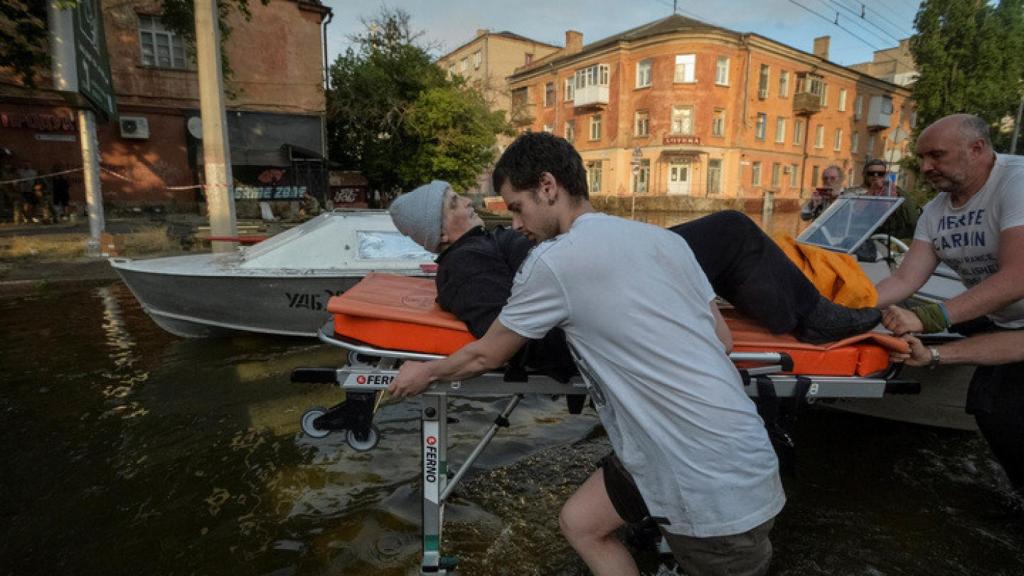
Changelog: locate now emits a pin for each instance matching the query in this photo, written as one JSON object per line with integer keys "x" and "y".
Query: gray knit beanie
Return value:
{"x": 418, "y": 214}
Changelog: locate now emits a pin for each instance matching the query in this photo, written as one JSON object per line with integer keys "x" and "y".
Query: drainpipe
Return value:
{"x": 323, "y": 117}
{"x": 746, "y": 98}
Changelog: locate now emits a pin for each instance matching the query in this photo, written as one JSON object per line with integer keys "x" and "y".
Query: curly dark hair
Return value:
{"x": 536, "y": 152}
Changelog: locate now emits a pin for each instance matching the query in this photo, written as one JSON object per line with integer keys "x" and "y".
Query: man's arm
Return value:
{"x": 918, "y": 264}
{"x": 989, "y": 349}
{"x": 998, "y": 290}
{"x": 490, "y": 352}
{"x": 991, "y": 294}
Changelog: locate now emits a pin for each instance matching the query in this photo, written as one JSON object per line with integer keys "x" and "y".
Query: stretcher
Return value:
{"x": 385, "y": 320}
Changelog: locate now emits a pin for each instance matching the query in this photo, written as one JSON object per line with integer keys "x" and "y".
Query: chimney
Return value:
{"x": 821, "y": 47}
{"x": 481, "y": 31}
{"x": 573, "y": 41}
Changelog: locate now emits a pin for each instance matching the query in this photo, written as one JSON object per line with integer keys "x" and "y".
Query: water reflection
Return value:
{"x": 130, "y": 451}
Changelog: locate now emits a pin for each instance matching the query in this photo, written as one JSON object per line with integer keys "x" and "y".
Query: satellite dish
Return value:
{"x": 195, "y": 127}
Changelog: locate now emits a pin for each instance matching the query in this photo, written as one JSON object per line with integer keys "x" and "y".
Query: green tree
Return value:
{"x": 23, "y": 31}
{"x": 393, "y": 114}
{"x": 970, "y": 57}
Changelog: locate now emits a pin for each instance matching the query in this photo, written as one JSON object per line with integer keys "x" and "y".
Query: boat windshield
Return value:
{"x": 849, "y": 221}
{"x": 387, "y": 245}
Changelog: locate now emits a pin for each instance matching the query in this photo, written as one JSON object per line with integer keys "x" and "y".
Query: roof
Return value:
{"x": 667, "y": 25}
{"x": 503, "y": 34}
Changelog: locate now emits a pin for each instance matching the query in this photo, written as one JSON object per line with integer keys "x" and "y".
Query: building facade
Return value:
{"x": 682, "y": 108}
{"x": 894, "y": 65}
{"x": 152, "y": 153}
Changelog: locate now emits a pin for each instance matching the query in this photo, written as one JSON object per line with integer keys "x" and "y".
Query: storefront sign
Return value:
{"x": 56, "y": 137}
{"x": 265, "y": 193}
{"x": 80, "y": 63}
{"x": 671, "y": 140}
{"x": 47, "y": 122}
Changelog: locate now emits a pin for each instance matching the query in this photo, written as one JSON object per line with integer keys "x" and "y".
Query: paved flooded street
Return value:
{"x": 130, "y": 451}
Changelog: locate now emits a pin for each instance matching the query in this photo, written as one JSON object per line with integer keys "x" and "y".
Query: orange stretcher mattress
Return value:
{"x": 400, "y": 313}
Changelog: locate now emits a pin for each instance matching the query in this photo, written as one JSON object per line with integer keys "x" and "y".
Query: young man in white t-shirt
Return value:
{"x": 976, "y": 226}
{"x": 640, "y": 317}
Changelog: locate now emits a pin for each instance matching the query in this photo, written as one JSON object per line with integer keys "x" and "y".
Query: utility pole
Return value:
{"x": 220, "y": 201}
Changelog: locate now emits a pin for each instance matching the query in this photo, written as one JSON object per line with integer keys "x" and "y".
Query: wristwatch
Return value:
{"x": 935, "y": 357}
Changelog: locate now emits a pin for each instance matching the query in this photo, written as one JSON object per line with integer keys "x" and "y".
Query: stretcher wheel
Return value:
{"x": 308, "y": 426}
{"x": 363, "y": 445}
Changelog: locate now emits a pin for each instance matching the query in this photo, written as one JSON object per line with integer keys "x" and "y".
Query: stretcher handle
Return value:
{"x": 784, "y": 360}
{"x": 902, "y": 387}
{"x": 315, "y": 375}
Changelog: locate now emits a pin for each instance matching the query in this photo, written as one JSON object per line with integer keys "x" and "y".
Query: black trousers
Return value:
{"x": 749, "y": 270}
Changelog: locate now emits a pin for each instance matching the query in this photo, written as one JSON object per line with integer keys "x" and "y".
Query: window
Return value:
{"x": 871, "y": 145}
{"x": 476, "y": 60}
{"x": 798, "y": 132}
{"x": 596, "y": 75}
{"x": 858, "y": 107}
{"x": 718, "y": 122}
{"x": 594, "y": 176}
{"x": 838, "y": 144}
{"x": 823, "y": 97}
{"x": 762, "y": 125}
{"x": 714, "y": 176}
{"x": 641, "y": 123}
{"x": 685, "y": 65}
{"x": 784, "y": 84}
{"x": 570, "y": 88}
{"x": 855, "y": 142}
{"x": 814, "y": 175}
{"x": 463, "y": 65}
{"x": 819, "y": 139}
{"x": 527, "y": 58}
{"x": 762, "y": 81}
{"x": 521, "y": 97}
{"x": 755, "y": 174}
{"x": 643, "y": 73}
{"x": 642, "y": 177}
{"x": 595, "y": 127}
{"x": 549, "y": 128}
{"x": 780, "y": 130}
{"x": 570, "y": 131}
{"x": 722, "y": 71}
{"x": 793, "y": 176}
{"x": 682, "y": 119}
{"x": 160, "y": 46}
{"x": 549, "y": 94}
{"x": 776, "y": 174}
{"x": 842, "y": 100}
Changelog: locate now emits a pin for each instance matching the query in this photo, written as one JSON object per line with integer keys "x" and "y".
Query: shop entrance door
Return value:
{"x": 679, "y": 177}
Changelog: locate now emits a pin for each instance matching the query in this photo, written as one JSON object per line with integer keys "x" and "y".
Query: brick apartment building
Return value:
{"x": 275, "y": 105}
{"x": 681, "y": 108}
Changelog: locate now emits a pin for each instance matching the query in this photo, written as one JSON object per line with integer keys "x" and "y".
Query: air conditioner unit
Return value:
{"x": 762, "y": 94}
{"x": 787, "y": 169}
{"x": 134, "y": 127}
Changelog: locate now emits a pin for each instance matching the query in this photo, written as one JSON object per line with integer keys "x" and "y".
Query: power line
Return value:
{"x": 861, "y": 8}
{"x": 858, "y": 23}
{"x": 897, "y": 27}
{"x": 836, "y": 24}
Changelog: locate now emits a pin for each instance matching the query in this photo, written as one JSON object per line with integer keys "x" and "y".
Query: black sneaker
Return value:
{"x": 829, "y": 322}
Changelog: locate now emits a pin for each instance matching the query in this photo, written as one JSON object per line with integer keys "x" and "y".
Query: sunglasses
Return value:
{"x": 875, "y": 173}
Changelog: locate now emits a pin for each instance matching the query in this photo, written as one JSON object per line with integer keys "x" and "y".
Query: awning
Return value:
{"x": 681, "y": 153}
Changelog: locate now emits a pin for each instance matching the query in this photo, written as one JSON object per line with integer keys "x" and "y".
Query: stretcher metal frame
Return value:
{"x": 370, "y": 370}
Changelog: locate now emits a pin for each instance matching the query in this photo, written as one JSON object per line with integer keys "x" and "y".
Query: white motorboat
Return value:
{"x": 844, "y": 227}
{"x": 279, "y": 286}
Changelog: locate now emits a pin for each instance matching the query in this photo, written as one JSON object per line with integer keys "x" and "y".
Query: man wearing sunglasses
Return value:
{"x": 876, "y": 183}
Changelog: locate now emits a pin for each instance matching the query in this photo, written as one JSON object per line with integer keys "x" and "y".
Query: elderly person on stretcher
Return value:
{"x": 476, "y": 268}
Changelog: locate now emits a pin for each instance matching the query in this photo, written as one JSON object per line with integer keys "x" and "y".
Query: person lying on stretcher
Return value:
{"x": 476, "y": 268}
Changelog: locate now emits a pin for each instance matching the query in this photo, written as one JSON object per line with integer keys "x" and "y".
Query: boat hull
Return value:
{"x": 203, "y": 306}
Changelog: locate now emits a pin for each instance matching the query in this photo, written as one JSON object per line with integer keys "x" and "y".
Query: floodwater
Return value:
{"x": 130, "y": 451}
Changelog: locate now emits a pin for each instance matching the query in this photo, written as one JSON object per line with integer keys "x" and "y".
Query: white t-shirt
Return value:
{"x": 967, "y": 238}
{"x": 635, "y": 307}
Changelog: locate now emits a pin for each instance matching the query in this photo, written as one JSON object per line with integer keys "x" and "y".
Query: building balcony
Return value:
{"x": 806, "y": 103}
{"x": 595, "y": 95}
